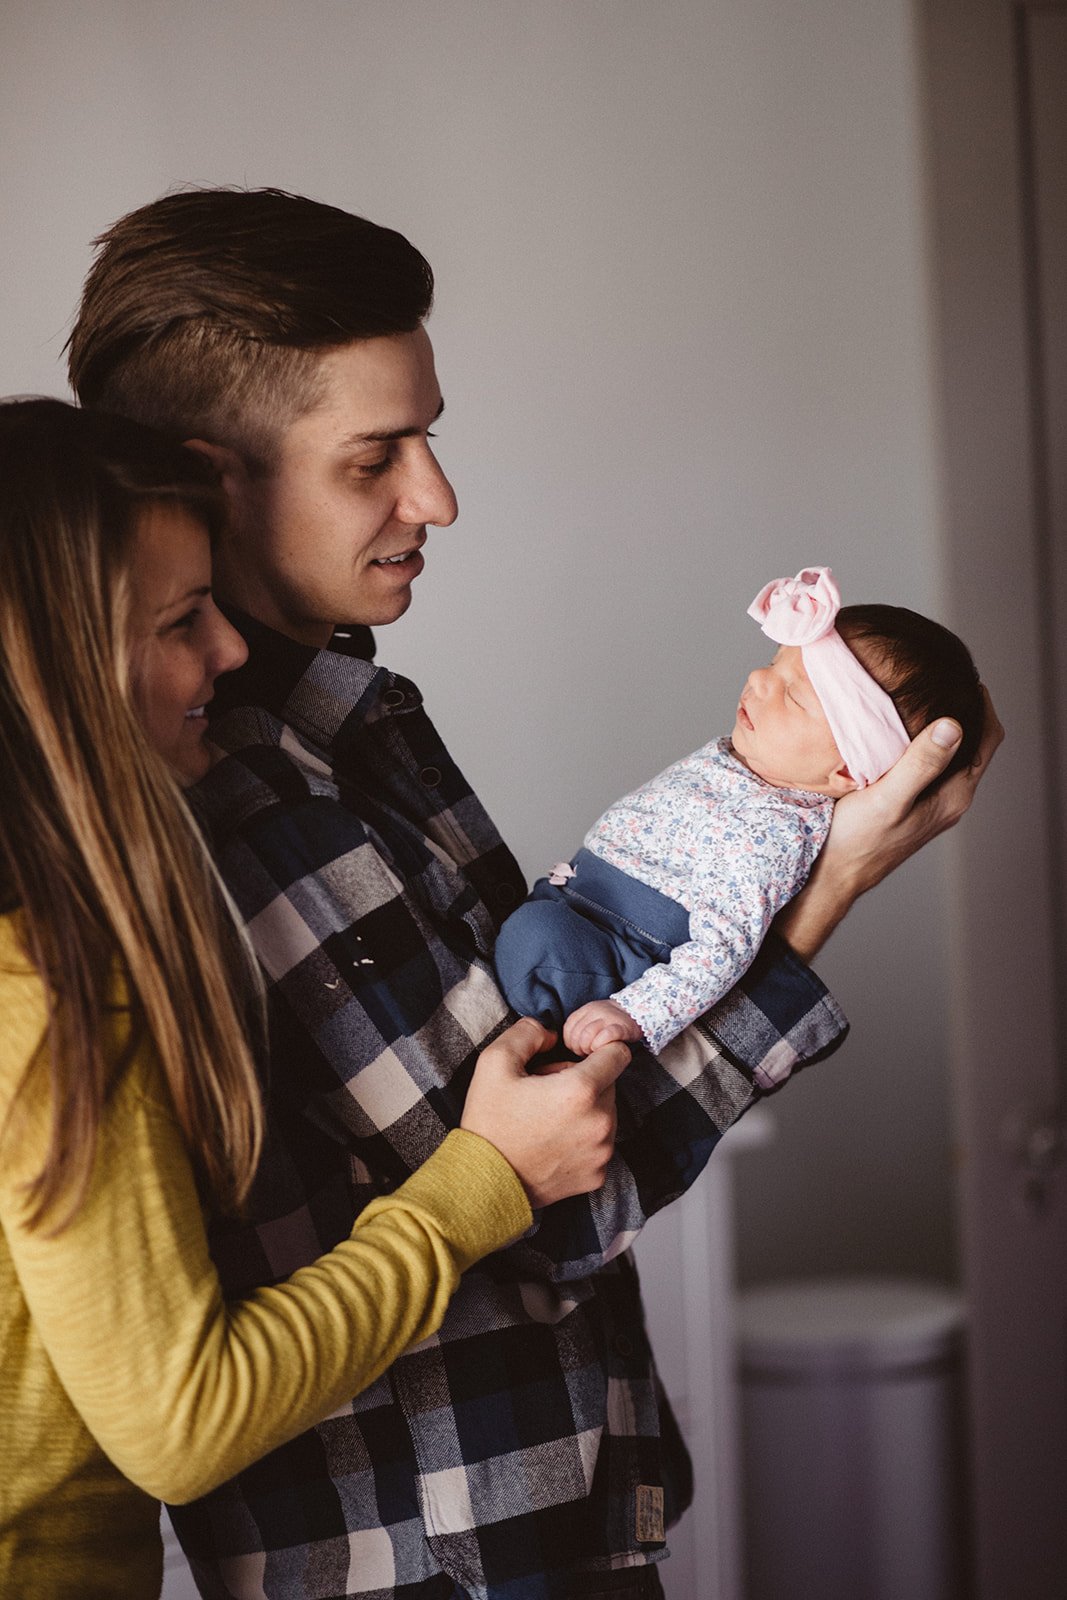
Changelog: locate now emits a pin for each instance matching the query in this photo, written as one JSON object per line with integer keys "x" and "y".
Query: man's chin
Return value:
{"x": 384, "y": 611}
{"x": 358, "y": 612}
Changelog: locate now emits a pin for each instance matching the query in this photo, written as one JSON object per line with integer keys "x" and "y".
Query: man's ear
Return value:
{"x": 228, "y": 463}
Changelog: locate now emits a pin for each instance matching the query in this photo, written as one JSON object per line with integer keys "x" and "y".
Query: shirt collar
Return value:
{"x": 323, "y": 694}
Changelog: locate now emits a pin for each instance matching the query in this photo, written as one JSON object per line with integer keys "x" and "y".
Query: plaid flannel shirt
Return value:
{"x": 519, "y": 1448}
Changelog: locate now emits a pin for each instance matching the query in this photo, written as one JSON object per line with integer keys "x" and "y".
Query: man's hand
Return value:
{"x": 597, "y": 1023}
{"x": 557, "y": 1131}
{"x": 878, "y": 828}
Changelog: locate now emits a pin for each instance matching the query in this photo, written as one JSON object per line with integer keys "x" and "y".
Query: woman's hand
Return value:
{"x": 557, "y": 1131}
{"x": 876, "y": 829}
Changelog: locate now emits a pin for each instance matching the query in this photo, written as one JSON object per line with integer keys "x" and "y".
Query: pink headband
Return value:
{"x": 863, "y": 719}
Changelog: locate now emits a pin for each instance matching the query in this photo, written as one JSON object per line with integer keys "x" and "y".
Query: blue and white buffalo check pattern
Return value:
{"x": 514, "y": 1455}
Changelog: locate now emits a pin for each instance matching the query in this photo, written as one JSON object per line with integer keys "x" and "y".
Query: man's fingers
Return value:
{"x": 924, "y": 760}
{"x": 517, "y": 1046}
{"x": 548, "y": 1069}
{"x": 604, "y": 1065}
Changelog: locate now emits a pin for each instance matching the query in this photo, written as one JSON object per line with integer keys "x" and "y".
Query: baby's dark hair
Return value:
{"x": 923, "y": 667}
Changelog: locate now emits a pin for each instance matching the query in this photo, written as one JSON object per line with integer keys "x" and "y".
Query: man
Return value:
{"x": 518, "y": 1454}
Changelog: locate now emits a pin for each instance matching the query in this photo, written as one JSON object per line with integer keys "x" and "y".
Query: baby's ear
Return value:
{"x": 840, "y": 782}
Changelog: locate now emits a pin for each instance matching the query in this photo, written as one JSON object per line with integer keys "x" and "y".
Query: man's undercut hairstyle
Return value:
{"x": 206, "y": 312}
{"x": 924, "y": 668}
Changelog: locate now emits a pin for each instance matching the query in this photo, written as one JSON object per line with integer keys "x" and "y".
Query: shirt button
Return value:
{"x": 430, "y": 776}
{"x": 623, "y": 1346}
{"x": 394, "y": 697}
{"x": 505, "y": 894}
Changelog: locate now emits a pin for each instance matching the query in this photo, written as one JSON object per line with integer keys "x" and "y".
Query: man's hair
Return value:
{"x": 206, "y": 312}
{"x": 924, "y": 668}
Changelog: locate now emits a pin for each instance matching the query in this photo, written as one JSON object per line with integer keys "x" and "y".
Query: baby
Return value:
{"x": 668, "y": 901}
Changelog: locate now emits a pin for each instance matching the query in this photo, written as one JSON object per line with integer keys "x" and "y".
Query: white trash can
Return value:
{"x": 851, "y": 1416}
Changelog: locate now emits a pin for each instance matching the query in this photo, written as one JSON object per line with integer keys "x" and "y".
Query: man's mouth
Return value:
{"x": 401, "y": 556}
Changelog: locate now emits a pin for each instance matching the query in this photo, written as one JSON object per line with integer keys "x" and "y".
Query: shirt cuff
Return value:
{"x": 779, "y": 1017}
{"x": 473, "y": 1193}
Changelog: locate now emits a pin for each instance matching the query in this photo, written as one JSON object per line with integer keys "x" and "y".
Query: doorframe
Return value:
{"x": 1007, "y": 995}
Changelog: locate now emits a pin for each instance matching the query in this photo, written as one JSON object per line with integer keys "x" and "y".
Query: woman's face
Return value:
{"x": 180, "y": 641}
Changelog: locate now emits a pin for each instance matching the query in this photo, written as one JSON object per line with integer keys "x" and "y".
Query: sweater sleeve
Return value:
{"x": 180, "y": 1389}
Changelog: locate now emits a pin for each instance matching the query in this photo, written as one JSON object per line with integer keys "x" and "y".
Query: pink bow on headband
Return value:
{"x": 798, "y": 610}
{"x": 864, "y": 721}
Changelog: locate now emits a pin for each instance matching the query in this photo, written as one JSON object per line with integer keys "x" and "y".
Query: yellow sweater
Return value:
{"x": 124, "y": 1376}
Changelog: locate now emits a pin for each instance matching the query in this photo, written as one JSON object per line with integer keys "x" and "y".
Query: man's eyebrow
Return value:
{"x": 385, "y": 437}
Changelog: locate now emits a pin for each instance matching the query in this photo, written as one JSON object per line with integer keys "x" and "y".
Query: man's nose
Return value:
{"x": 427, "y": 496}
{"x": 228, "y": 649}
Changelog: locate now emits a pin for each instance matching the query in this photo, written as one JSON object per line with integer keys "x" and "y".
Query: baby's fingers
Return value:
{"x": 579, "y": 1028}
{"x": 605, "y": 1033}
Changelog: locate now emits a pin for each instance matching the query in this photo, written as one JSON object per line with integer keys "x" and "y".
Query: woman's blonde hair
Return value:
{"x": 101, "y": 863}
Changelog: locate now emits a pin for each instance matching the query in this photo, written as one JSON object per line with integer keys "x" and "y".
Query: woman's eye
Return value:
{"x": 186, "y": 623}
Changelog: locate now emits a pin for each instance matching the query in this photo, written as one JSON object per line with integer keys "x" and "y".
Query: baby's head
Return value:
{"x": 848, "y": 688}
{"x": 926, "y": 670}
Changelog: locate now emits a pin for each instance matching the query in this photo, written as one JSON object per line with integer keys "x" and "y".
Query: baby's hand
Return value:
{"x": 598, "y": 1023}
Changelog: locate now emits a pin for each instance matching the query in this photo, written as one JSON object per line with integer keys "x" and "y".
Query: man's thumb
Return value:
{"x": 512, "y": 1052}
{"x": 925, "y": 759}
{"x": 604, "y": 1065}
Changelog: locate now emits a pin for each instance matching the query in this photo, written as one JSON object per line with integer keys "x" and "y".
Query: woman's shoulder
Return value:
{"x": 24, "y": 1013}
{"x": 21, "y": 986}
{"x": 23, "y": 1007}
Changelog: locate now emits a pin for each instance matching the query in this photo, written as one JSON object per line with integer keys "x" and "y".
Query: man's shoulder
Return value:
{"x": 271, "y": 807}
{"x": 264, "y": 763}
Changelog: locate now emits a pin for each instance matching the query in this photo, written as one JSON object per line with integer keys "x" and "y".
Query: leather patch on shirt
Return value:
{"x": 649, "y": 1514}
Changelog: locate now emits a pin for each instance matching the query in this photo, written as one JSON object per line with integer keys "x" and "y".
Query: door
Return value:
{"x": 997, "y": 121}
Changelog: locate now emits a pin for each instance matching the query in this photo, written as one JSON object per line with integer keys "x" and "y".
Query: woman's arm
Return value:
{"x": 180, "y": 1389}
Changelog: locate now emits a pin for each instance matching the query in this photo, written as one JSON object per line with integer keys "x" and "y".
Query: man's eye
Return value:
{"x": 374, "y": 469}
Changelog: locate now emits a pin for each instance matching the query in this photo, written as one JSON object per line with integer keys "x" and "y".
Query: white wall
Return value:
{"x": 682, "y": 333}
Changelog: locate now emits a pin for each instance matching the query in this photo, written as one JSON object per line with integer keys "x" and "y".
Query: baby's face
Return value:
{"x": 781, "y": 731}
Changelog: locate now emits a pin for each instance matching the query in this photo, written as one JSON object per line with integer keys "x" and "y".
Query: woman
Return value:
{"x": 127, "y": 1087}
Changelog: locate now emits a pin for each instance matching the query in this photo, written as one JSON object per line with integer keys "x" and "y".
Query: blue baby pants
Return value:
{"x": 584, "y": 939}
